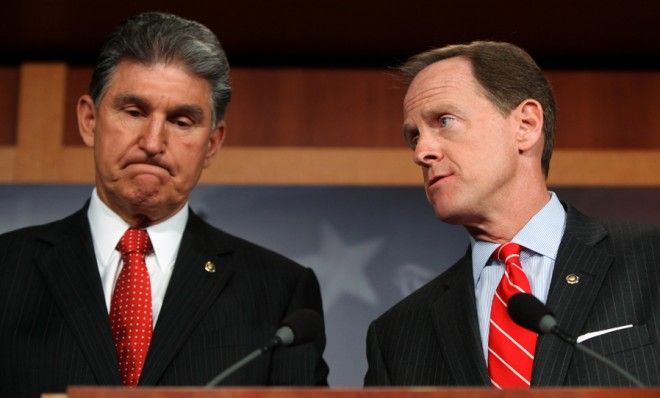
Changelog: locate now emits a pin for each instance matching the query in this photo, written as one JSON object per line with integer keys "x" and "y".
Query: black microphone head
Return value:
{"x": 530, "y": 313}
{"x": 304, "y": 326}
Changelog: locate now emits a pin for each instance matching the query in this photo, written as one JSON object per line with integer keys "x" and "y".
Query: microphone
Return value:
{"x": 529, "y": 312}
{"x": 301, "y": 327}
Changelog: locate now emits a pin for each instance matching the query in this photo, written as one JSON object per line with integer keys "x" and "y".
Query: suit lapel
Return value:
{"x": 191, "y": 291}
{"x": 71, "y": 273}
{"x": 455, "y": 321}
{"x": 582, "y": 253}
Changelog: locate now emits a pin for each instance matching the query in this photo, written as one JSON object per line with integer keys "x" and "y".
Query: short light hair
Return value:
{"x": 508, "y": 76}
{"x": 156, "y": 37}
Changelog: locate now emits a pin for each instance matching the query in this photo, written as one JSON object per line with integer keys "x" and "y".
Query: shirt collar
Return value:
{"x": 542, "y": 234}
{"x": 107, "y": 228}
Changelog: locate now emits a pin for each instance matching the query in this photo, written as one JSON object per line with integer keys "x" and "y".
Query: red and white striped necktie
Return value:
{"x": 510, "y": 346}
{"x": 130, "y": 309}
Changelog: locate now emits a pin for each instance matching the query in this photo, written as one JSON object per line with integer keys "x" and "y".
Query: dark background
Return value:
{"x": 559, "y": 34}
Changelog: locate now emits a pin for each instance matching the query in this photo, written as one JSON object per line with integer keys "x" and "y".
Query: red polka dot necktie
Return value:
{"x": 510, "y": 346}
{"x": 130, "y": 309}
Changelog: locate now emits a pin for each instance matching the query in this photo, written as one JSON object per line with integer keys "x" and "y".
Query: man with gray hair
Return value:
{"x": 134, "y": 288}
{"x": 479, "y": 119}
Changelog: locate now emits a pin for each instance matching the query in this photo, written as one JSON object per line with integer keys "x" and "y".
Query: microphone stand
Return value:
{"x": 274, "y": 342}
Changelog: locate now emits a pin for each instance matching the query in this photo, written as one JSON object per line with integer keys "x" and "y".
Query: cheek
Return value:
{"x": 110, "y": 150}
{"x": 105, "y": 150}
{"x": 112, "y": 138}
{"x": 190, "y": 155}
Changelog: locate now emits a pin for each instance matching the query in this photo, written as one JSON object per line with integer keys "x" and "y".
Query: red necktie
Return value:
{"x": 510, "y": 346}
{"x": 130, "y": 310}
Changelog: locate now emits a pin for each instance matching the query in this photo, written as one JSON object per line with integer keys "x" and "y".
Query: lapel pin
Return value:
{"x": 209, "y": 267}
{"x": 572, "y": 279}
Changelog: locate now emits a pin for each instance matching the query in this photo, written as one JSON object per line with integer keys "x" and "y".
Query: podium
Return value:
{"x": 414, "y": 392}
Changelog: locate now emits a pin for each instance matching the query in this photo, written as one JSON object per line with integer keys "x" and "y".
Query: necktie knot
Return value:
{"x": 135, "y": 241}
{"x": 507, "y": 251}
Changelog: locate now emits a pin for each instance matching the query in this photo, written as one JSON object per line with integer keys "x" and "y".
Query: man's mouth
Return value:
{"x": 436, "y": 179}
{"x": 148, "y": 165}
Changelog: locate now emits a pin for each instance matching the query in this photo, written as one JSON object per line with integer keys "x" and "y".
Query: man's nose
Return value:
{"x": 426, "y": 151}
{"x": 154, "y": 137}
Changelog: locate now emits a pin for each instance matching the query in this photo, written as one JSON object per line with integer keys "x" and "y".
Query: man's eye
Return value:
{"x": 134, "y": 112}
{"x": 182, "y": 122}
{"x": 445, "y": 121}
{"x": 411, "y": 139}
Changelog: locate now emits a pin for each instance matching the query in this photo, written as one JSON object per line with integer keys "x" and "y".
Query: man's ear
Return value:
{"x": 529, "y": 125}
{"x": 86, "y": 112}
{"x": 216, "y": 138}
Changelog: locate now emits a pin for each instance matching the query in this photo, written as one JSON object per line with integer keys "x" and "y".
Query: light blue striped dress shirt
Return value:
{"x": 540, "y": 239}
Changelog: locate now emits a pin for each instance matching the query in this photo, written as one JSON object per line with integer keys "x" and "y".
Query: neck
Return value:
{"x": 505, "y": 221}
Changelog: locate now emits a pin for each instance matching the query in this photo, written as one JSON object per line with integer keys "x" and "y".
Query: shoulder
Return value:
{"x": 415, "y": 307}
{"x": 618, "y": 234}
{"x": 45, "y": 234}
{"x": 22, "y": 248}
{"x": 633, "y": 231}
{"x": 246, "y": 254}
{"x": 635, "y": 245}
{"x": 258, "y": 274}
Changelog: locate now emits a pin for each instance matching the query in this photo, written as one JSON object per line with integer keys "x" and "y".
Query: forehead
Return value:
{"x": 447, "y": 78}
{"x": 159, "y": 81}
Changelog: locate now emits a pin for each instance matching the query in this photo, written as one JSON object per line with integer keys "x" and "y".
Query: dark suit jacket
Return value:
{"x": 54, "y": 328}
{"x": 432, "y": 336}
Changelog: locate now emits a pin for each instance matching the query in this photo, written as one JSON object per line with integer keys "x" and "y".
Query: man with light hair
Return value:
{"x": 480, "y": 119}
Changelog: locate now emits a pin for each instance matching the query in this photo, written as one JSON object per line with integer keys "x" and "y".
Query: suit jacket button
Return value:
{"x": 209, "y": 267}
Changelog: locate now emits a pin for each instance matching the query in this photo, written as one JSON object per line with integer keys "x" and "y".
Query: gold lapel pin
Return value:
{"x": 572, "y": 279}
{"x": 209, "y": 267}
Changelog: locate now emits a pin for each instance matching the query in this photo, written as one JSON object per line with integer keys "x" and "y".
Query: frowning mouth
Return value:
{"x": 149, "y": 166}
{"x": 436, "y": 180}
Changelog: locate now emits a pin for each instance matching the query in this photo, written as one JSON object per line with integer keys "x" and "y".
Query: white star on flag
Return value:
{"x": 340, "y": 267}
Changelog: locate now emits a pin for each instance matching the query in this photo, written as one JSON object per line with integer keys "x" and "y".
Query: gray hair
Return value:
{"x": 155, "y": 37}
{"x": 508, "y": 76}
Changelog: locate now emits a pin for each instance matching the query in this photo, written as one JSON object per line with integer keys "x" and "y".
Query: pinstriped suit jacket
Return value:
{"x": 432, "y": 336}
{"x": 54, "y": 328}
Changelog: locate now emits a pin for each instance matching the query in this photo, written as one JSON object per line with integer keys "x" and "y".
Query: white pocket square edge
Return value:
{"x": 591, "y": 335}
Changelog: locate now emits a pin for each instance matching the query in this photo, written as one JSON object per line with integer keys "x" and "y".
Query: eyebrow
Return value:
{"x": 126, "y": 98}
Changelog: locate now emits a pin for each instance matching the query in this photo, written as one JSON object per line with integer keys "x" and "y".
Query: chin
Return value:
{"x": 443, "y": 215}
{"x": 448, "y": 214}
{"x": 144, "y": 197}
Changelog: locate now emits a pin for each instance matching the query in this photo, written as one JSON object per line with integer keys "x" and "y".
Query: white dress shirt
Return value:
{"x": 107, "y": 228}
{"x": 540, "y": 239}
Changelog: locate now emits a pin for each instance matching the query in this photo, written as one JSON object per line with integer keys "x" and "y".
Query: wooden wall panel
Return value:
{"x": 40, "y": 122}
{"x": 77, "y": 80}
{"x": 9, "y": 76}
{"x": 362, "y": 108}
{"x": 315, "y": 107}
{"x": 7, "y": 163}
{"x": 599, "y": 109}
{"x": 321, "y": 126}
